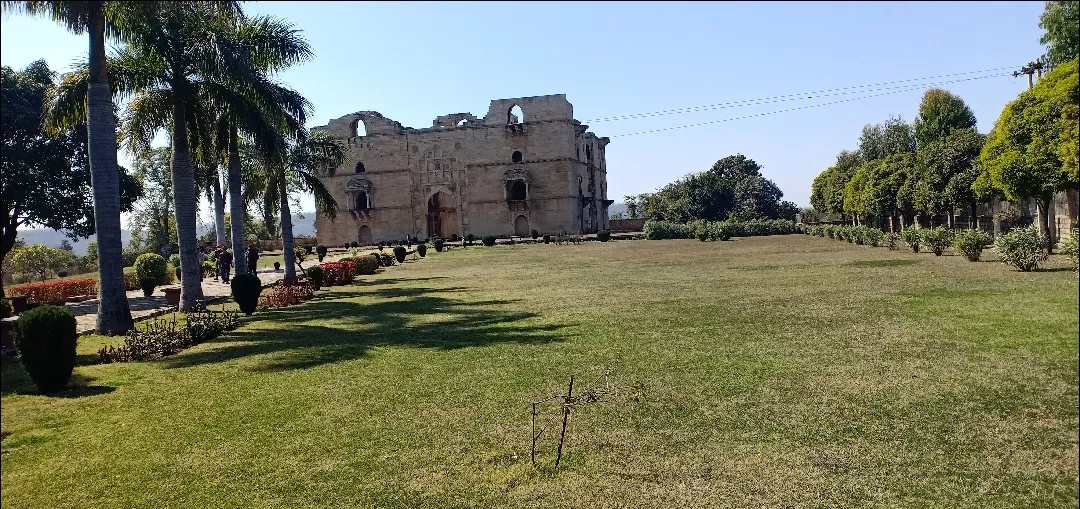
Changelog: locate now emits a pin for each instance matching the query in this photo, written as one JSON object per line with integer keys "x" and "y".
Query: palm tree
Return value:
{"x": 95, "y": 18}
{"x": 172, "y": 55}
{"x": 298, "y": 169}
{"x": 256, "y": 106}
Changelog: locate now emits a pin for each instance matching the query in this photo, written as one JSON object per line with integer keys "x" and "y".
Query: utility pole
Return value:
{"x": 1030, "y": 69}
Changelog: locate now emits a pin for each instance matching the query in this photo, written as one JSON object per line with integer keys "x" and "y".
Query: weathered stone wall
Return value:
{"x": 387, "y": 187}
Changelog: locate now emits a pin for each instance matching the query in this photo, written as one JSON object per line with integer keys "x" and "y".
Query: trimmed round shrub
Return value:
{"x": 602, "y": 235}
{"x": 534, "y": 234}
{"x": 911, "y": 236}
{"x": 150, "y": 269}
{"x": 320, "y": 251}
{"x": 471, "y": 238}
{"x": 353, "y": 244}
{"x": 316, "y": 275}
{"x": 892, "y": 241}
{"x": 489, "y": 240}
{"x": 300, "y": 254}
{"x": 722, "y": 233}
{"x": 365, "y": 265}
{"x": 547, "y": 239}
{"x": 937, "y": 239}
{"x": 46, "y": 339}
{"x": 702, "y": 235}
{"x": 421, "y": 249}
{"x": 970, "y": 243}
{"x": 177, "y": 272}
{"x": 245, "y": 291}
{"x": 1023, "y": 248}
{"x": 309, "y": 249}
{"x": 174, "y": 260}
{"x": 62, "y": 273}
{"x": 399, "y": 253}
{"x": 386, "y": 259}
{"x": 439, "y": 245}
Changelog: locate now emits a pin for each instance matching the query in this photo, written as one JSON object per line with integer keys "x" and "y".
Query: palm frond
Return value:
{"x": 146, "y": 114}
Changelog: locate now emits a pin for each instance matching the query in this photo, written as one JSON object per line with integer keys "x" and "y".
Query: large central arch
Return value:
{"x": 441, "y": 215}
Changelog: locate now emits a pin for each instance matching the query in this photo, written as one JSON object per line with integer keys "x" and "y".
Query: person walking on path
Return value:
{"x": 252, "y": 258}
{"x": 225, "y": 263}
{"x": 217, "y": 262}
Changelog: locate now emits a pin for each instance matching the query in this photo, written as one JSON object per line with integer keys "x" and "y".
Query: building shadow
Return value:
{"x": 399, "y": 317}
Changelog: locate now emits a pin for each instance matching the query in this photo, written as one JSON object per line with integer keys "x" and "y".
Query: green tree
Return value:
{"x": 940, "y": 112}
{"x": 732, "y": 186}
{"x": 631, "y": 206}
{"x": 297, "y": 169}
{"x": 46, "y": 176}
{"x": 1024, "y": 155}
{"x": 98, "y": 19}
{"x": 40, "y": 260}
{"x": 947, "y": 169}
{"x": 153, "y": 225}
{"x": 1062, "y": 39}
{"x": 173, "y": 52}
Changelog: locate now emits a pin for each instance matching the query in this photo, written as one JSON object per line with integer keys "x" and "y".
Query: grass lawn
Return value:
{"x": 785, "y": 371}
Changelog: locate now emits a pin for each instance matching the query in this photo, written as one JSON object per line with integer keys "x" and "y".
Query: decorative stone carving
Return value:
{"x": 364, "y": 185}
{"x": 517, "y": 174}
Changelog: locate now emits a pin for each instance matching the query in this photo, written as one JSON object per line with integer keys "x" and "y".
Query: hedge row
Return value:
{"x": 719, "y": 230}
{"x": 56, "y": 291}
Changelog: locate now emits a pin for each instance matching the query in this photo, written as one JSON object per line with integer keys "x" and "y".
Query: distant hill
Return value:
{"x": 52, "y": 238}
{"x": 616, "y": 208}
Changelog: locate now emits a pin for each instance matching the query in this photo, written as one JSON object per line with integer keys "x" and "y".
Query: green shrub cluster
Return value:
{"x": 971, "y": 243}
{"x": 938, "y": 239}
{"x": 439, "y": 244}
{"x": 320, "y": 251}
{"x": 45, "y": 337}
{"x": 316, "y": 275}
{"x": 720, "y": 230}
{"x": 161, "y": 338}
{"x": 489, "y": 240}
{"x": 245, "y": 291}
{"x": 1023, "y": 248}
{"x": 421, "y": 249}
{"x": 1070, "y": 247}
{"x": 602, "y": 235}
{"x": 399, "y": 253}
{"x": 151, "y": 269}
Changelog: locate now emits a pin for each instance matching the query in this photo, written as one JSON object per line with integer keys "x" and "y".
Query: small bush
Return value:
{"x": 336, "y": 273}
{"x": 316, "y": 275}
{"x": 245, "y": 291}
{"x": 421, "y": 249}
{"x": 912, "y": 238}
{"x": 365, "y": 265}
{"x": 1023, "y": 248}
{"x": 207, "y": 269}
{"x": 1070, "y": 247}
{"x": 547, "y": 239}
{"x": 471, "y": 238}
{"x": 320, "y": 251}
{"x": 174, "y": 261}
{"x": 160, "y": 338}
{"x": 937, "y": 239}
{"x": 353, "y": 244}
{"x": 970, "y": 243}
{"x": 454, "y": 237}
{"x": 892, "y": 241}
{"x": 386, "y": 259}
{"x": 721, "y": 232}
{"x": 535, "y": 234}
{"x": 300, "y": 254}
{"x": 287, "y": 293}
{"x": 602, "y": 235}
{"x": 439, "y": 245}
{"x": 489, "y": 240}
{"x": 151, "y": 267}
{"x": 62, "y": 273}
{"x": 308, "y": 249}
{"x": 46, "y": 339}
{"x": 399, "y": 253}
{"x": 659, "y": 230}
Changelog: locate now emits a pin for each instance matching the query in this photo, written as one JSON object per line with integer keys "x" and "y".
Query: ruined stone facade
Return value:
{"x": 505, "y": 174}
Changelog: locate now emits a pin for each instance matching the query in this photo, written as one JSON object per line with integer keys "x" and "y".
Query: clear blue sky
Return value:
{"x": 415, "y": 61}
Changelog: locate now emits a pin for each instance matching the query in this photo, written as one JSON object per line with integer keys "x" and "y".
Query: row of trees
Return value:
{"x": 939, "y": 163}
{"x": 733, "y": 188}
{"x": 204, "y": 72}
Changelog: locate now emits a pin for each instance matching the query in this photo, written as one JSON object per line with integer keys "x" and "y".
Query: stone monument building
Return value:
{"x": 526, "y": 165}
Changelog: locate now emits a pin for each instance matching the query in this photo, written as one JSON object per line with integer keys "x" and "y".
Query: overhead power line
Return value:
{"x": 789, "y": 97}
{"x": 910, "y": 88}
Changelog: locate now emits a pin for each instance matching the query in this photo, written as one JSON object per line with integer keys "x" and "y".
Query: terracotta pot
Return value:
{"x": 172, "y": 296}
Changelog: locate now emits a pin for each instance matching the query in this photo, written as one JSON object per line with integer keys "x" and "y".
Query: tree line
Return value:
{"x": 903, "y": 173}
{"x": 205, "y": 73}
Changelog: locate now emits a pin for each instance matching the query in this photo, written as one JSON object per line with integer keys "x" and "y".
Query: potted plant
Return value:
{"x": 150, "y": 267}
{"x": 172, "y": 295}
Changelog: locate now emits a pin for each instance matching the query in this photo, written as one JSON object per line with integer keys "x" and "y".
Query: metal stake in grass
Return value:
{"x": 566, "y": 417}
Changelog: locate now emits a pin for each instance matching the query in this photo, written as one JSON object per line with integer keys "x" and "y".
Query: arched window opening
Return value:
{"x": 462, "y": 122}
{"x": 518, "y": 191}
{"x": 588, "y": 153}
{"x": 516, "y": 157}
{"x": 358, "y": 128}
{"x": 360, "y": 167}
{"x": 362, "y": 201}
{"x": 515, "y": 115}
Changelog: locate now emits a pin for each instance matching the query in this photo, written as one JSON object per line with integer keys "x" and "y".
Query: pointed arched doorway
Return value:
{"x": 521, "y": 226}
{"x": 365, "y": 235}
{"x": 441, "y": 215}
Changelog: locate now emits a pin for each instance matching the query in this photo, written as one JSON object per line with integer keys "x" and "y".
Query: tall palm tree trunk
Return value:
{"x": 219, "y": 211}
{"x": 114, "y": 315}
{"x": 286, "y": 232}
{"x": 236, "y": 203}
{"x": 184, "y": 197}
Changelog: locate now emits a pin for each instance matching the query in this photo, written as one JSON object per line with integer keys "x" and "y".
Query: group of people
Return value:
{"x": 223, "y": 260}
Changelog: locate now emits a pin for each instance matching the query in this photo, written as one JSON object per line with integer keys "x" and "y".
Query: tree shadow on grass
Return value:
{"x": 401, "y": 316}
{"x": 15, "y": 380}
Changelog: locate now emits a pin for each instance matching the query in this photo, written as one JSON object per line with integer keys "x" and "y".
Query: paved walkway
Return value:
{"x": 143, "y": 308}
